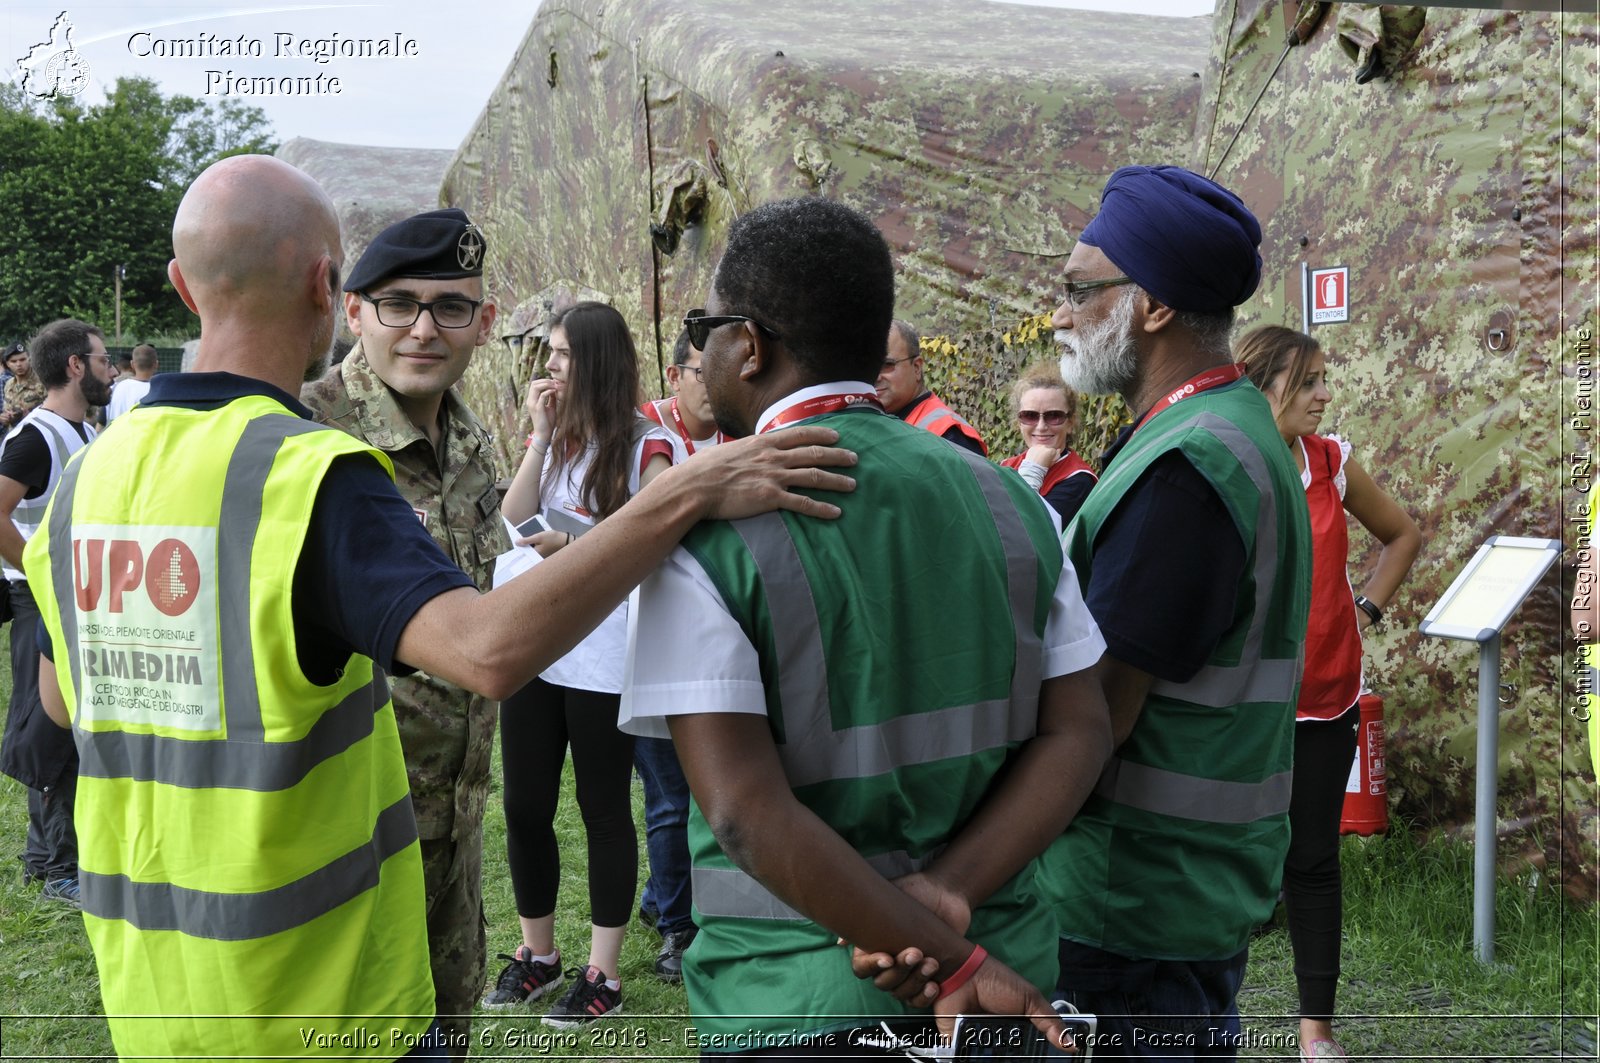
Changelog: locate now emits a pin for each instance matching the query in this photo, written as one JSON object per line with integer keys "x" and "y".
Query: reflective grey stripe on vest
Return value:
{"x": 812, "y": 751}
{"x": 732, "y": 893}
{"x": 30, "y": 511}
{"x": 1218, "y": 686}
{"x": 246, "y": 916}
{"x": 927, "y": 419}
{"x": 242, "y": 491}
{"x": 61, "y": 563}
{"x": 260, "y": 765}
{"x": 1170, "y": 793}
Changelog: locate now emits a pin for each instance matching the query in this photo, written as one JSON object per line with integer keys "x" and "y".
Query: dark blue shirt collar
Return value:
{"x": 208, "y": 391}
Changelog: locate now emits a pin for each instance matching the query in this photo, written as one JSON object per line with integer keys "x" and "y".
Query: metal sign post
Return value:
{"x": 1476, "y": 608}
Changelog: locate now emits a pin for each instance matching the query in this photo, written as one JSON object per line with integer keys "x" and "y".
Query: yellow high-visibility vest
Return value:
{"x": 250, "y": 872}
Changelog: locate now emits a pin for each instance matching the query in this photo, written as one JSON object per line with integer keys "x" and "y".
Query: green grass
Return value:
{"x": 1411, "y": 990}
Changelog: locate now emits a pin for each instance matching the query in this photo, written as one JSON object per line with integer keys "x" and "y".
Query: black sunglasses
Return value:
{"x": 699, "y": 326}
{"x": 1052, "y": 418}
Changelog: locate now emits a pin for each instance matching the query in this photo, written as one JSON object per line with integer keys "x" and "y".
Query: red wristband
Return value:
{"x": 963, "y": 973}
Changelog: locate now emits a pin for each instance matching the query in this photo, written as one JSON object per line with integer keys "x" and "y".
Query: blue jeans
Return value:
{"x": 1155, "y": 1009}
{"x": 666, "y": 833}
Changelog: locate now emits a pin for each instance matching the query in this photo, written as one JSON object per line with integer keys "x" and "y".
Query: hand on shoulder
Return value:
{"x": 758, "y": 474}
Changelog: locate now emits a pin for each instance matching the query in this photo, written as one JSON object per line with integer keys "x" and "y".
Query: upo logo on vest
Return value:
{"x": 146, "y": 600}
{"x": 117, "y": 567}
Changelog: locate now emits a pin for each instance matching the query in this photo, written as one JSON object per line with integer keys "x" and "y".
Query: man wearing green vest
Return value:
{"x": 844, "y": 725}
{"x": 224, "y": 588}
{"x": 1194, "y": 556}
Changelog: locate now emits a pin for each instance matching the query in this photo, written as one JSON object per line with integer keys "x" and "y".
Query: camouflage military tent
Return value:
{"x": 371, "y": 187}
{"x": 627, "y": 134}
{"x": 1455, "y": 179}
{"x": 1458, "y": 186}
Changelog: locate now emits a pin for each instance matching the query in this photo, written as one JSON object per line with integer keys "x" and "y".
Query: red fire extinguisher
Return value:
{"x": 1366, "y": 795}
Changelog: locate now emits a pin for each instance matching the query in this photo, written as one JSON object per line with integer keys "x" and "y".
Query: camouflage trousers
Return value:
{"x": 453, "y": 876}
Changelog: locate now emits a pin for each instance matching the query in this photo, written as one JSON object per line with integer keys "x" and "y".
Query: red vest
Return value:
{"x": 938, "y": 418}
{"x": 1069, "y": 464}
{"x": 1333, "y": 642}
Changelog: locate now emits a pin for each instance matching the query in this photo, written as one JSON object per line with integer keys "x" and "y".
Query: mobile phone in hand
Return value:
{"x": 532, "y": 526}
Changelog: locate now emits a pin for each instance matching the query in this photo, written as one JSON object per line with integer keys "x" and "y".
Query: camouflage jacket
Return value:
{"x": 22, "y": 396}
{"x": 447, "y": 733}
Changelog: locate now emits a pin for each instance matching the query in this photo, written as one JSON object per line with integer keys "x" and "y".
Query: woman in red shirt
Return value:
{"x": 1047, "y": 414}
{"x": 1289, "y": 368}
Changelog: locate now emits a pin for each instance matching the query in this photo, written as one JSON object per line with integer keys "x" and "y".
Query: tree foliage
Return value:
{"x": 84, "y": 190}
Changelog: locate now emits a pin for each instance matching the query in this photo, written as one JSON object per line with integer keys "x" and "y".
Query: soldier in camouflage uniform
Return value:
{"x": 23, "y": 390}
{"x": 394, "y": 391}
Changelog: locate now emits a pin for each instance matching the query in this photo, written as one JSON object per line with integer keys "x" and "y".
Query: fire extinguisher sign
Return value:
{"x": 1330, "y": 295}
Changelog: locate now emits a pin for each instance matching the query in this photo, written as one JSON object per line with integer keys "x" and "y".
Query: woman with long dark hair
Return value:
{"x": 1291, "y": 371}
{"x": 589, "y": 453}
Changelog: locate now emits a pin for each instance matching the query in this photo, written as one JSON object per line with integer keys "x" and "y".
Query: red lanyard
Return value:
{"x": 818, "y": 406}
{"x": 677, "y": 419}
{"x": 1211, "y": 378}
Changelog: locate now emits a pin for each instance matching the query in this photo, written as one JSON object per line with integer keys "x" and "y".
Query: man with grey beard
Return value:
{"x": 1193, "y": 554}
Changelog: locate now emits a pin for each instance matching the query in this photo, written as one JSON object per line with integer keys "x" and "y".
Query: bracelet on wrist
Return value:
{"x": 1368, "y": 606}
{"x": 963, "y": 973}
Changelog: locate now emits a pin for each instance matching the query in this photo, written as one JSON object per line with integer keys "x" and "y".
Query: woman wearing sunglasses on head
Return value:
{"x": 591, "y": 451}
{"x": 1047, "y": 414}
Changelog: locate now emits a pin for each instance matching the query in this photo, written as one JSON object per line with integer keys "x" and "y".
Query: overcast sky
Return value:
{"x": 429, "y": 99}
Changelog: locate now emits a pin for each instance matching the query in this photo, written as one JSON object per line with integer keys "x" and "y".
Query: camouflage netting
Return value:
{"x": 372, "y": 187}
{"x": 1458, "y": 185}
{"x": 1446, "y": 156}
{"x": 626, "y": 136}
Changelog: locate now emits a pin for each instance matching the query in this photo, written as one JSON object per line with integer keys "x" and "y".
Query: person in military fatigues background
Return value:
{"x": 415, "y": 301}
{"x": 23, "y": 389}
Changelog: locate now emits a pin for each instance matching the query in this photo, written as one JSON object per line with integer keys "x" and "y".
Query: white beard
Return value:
{"x": 1102, "y": 359}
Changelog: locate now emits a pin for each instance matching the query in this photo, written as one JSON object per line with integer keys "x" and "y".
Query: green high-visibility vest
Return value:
{"x": 1179, "y": 852}
{"x": 900, "y": 652}
{"x": 250, "y": 871}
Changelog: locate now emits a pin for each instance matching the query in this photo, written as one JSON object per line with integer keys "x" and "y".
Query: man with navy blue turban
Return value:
{"x": 1193, "y": 553}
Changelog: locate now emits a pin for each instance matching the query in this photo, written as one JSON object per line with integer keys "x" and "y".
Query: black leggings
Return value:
{"x": 1323, "y": 750}
{"x": 536, "y": 724}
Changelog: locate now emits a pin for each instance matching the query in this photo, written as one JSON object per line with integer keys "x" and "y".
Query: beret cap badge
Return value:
{"x": 469, "y": 249}
{"x": 437, "y": 245}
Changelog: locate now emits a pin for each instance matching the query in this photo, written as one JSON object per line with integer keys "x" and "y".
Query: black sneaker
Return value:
{"x": 588, "y": 999}
{"x": 669, "y": 961}
{"x": 650, "y": 918}
{"x": 523, "y": 979}
{"x": 64, "y": 890}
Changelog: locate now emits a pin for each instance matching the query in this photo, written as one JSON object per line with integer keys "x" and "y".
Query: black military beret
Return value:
{"x": 437, "y": 244}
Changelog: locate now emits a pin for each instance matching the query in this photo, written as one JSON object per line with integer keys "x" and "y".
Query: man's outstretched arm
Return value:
{"x": 494, "y": 643}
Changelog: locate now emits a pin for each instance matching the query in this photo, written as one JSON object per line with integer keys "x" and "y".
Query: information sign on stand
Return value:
{"x": 1476, "y": 608}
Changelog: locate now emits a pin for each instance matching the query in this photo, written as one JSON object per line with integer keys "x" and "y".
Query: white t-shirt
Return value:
{"x": 124, "y": 394}
{"x": 596, "y": 663}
